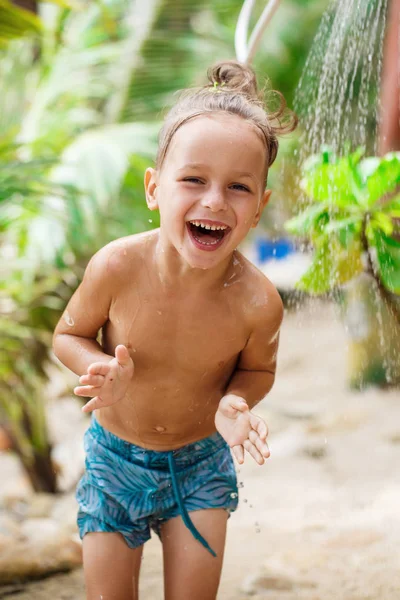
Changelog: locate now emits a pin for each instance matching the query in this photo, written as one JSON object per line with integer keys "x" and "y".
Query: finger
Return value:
{"x": 95, "y": 380}
{"x": 86, "y": 390}
{"x": 122, "y": 355}
{"x": 252, "y": 450}
{"x": 98, "y": 368}
{"x": 259, "y": 443}
{"x": 94, "y": 403}
{"x": 238, "y": 453}
{"x": 259, "y": 425}
{"x": 238, "y": 403}
{"x": 230, "y": 405}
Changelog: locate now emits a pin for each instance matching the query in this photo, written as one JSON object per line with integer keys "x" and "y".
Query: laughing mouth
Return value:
{"x": 208, "y": 233}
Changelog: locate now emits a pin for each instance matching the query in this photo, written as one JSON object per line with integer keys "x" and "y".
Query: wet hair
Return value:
{"x": 232, "y": 89}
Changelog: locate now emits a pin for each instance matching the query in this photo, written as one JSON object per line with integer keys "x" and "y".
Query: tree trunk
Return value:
{"x": 41, "y": 472}
{"x": 39, "y": 466}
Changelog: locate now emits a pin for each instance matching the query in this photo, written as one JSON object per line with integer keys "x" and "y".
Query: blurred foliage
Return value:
{"x": 353, "y": 224}
{"x": 16, "y": 22}
{"x": 355, "y": 210}
{"x": 65, "y": 190}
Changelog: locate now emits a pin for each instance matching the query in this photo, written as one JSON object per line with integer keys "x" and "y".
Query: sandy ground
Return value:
{"x": 321, "y": 520}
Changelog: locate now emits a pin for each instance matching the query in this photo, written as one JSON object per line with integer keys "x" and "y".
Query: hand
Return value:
{"x": 241, "y": 429}
{"x": 106, "y": 382}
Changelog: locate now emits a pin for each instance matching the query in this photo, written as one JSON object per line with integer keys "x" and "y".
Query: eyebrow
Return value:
{"x": 202, "y": 166}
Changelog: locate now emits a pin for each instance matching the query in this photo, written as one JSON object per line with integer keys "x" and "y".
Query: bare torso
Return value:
{"x": 184, "y": 346}
{"x": 185, "y": 336}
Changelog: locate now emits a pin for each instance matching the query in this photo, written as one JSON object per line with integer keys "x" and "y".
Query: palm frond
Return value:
{"x": 16, "y": 22}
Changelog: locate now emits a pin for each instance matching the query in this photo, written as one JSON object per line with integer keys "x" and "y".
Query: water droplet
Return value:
{"x": 150, "y": 220}
{"x": 68, "y": 319}
{"x": 234, "y": 495}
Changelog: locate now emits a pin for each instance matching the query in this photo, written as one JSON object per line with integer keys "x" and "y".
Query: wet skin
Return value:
{"x": 198, "y": 323}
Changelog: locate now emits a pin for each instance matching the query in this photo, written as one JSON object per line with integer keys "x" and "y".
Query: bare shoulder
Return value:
{"x": 111, "y": 268}
{"x": 117, "y": 260}
{"x": 264, "y": 305}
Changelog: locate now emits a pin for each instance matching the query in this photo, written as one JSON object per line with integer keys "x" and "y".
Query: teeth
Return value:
{"x": 211, "y": 227}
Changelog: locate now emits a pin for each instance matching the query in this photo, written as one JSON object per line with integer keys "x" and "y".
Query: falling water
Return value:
{"x": 338, "y": 103}
{"x": 338, "y": 95}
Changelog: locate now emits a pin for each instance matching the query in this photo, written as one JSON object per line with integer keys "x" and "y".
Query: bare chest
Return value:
{"x": 174, "y": 332}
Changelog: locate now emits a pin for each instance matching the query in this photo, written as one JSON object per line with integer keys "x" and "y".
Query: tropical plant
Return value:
{"x": 355, "y": 210}
{"x": 353, "y": 224}
{"x": 25, "y": 323}
{"x": 68, "y": 184}
{"x": 45, "y": 248}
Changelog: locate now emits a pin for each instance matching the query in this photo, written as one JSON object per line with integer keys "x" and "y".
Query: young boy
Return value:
{"x": 190, "y": 337}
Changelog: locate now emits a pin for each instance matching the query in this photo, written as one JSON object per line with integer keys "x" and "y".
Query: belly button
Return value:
{"x": 160, "y": 429}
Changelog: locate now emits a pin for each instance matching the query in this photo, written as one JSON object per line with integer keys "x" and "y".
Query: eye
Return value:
{"x": 240, "y": 187}
{"x": 192, "y": 180}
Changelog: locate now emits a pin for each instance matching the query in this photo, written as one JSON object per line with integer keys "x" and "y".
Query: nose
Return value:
{"x": 215, "y": 200}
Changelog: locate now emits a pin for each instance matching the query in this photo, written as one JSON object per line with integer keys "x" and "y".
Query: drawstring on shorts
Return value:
{"x": 184, "y": 513}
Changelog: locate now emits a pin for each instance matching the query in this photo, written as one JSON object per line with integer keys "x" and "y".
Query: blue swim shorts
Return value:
{"x": 130, "y": 490}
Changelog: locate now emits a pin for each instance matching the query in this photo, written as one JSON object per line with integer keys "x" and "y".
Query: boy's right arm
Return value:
{"x": 74, "y": 340}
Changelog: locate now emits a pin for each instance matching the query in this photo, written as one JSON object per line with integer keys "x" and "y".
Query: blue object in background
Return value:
{"x": 273, "y": 249}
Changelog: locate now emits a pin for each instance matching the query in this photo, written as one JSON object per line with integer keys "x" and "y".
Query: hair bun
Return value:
{"x": 235, "y": 76}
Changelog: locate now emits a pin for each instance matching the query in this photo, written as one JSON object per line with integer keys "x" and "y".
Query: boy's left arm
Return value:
{"x": 251, "y": 381}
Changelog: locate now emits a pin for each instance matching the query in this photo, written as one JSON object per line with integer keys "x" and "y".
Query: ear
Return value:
{"x": 150, "y": 187}
{"x": 263, "y": 203}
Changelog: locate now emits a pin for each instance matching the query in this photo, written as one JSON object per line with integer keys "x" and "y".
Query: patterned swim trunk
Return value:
{"x": 130, "y": 490}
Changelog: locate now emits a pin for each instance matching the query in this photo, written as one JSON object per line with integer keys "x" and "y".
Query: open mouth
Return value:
{"x": 207, "y": 236}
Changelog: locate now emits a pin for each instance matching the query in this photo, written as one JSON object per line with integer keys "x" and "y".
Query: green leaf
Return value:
{"x": 368, "y": 166}
{"x": 97, "y": 161}
{"x": 384, "y": 179}
{"x": 304, "y": 223}
{"x": 332, "y": 266}
{"x": 383, "y": 222}
{"x": 317, "y": 278}
{"x": 392, "y": 207}
{"x": 347, "y": 230}
{"x": 388, "y": 259}
{"x": 338, "y": 224}
{"x": 16, "y": 22}
{"x": 332, "y": 182}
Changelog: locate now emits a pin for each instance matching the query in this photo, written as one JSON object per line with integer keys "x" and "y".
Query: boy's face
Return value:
{"x": 210, "y": 189}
